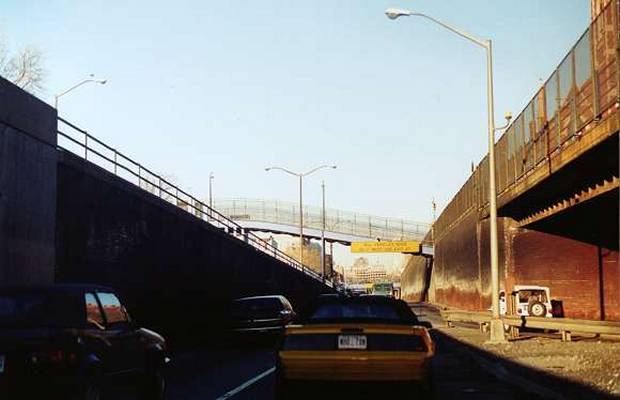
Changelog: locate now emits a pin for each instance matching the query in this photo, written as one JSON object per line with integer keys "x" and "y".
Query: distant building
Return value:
{"x": 362, "y": 272}
{"x": 312, "y": 254}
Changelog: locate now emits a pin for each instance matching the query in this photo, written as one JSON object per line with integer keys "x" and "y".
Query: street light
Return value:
{"x": 91, "y": 79}
{"x": 211, "y": 177}
{"x": 301, "y": 212}
{"x": 496, "y": 325}
{"x": 323, "y": 229}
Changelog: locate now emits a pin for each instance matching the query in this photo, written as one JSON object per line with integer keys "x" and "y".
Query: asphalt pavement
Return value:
{"x": 247, "y": 374}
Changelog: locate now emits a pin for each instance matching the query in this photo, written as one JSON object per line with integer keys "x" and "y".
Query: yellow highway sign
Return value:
{"x": 385, "y": 247}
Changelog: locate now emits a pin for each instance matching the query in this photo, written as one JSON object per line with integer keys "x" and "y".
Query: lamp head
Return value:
{"x": 393, "y": 13}
{"x": 508, "y": 116}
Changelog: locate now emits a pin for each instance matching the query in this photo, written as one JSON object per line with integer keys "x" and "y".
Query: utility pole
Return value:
{"x": 323, "y": 232}
{"x": 211, "y": 176}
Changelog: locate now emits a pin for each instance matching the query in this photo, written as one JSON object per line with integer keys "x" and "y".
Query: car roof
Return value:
{"x": 62, "y": 287}
{"x": 400, "y": 305}
{"x": 530, "y": 287}
{"x": 374, "y": 299}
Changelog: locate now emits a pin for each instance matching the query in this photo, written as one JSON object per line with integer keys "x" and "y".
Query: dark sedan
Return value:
{"x": 261, "y": 315}
{"x": 68, "y": 341}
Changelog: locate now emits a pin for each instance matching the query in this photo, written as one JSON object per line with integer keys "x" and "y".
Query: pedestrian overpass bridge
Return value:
{"x": 340, "y": 226}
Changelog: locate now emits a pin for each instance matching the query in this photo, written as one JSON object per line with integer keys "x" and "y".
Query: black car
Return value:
{"x": 69, "y": 341}
{"x": 261, "y": 315}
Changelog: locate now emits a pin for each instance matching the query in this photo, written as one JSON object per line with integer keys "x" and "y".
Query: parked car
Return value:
{"x": 71, "y": 341}
{"x": 531, "y": 300}
{"x": 261, "y": 315}
{"x": 359, "y": 339}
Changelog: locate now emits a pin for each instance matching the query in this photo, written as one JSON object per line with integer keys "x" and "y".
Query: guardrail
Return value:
{"x": 566, "y": 326}
{"x": 81, "y": 143}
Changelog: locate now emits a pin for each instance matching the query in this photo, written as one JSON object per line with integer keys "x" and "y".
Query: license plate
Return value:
{"x": 355, "y": 342}
{"x": 2, "y": 358}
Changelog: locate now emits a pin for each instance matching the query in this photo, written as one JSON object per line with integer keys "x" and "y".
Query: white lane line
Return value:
{"x": 245, "y": 385}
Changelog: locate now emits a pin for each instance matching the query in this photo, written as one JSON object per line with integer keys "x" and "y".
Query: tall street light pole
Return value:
{"x": 301, "y": 213}
{"x": 211, "y": 177}
{"x": 88, "y": 80}
{"x": 323, "y": 231}
{"x": 496, "y": 325}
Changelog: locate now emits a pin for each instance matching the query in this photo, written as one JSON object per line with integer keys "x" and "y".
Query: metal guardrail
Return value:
{"x": 81, "y": 143}
{"x": 566, "y": 326}
{"x": 337, "y": 221}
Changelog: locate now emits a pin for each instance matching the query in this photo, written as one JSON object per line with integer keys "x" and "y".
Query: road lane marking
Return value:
{"x": 245, "y": 385}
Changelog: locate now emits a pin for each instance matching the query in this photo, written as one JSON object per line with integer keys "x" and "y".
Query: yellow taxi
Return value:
{"x": 355, "y": 339}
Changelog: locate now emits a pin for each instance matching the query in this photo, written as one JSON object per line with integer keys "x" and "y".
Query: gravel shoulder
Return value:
{"x": 590, "y": 361}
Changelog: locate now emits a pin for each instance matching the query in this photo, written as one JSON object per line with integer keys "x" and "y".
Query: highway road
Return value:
{"x": 247, "y": 374}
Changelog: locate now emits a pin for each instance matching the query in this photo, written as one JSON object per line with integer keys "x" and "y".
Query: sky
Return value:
{"x": 233, "y": 87}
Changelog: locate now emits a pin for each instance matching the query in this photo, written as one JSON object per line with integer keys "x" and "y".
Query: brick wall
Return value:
{"x": 572, "y": 269}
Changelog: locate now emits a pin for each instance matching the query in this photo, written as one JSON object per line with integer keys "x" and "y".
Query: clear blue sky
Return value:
{"x": 233, "y": 87}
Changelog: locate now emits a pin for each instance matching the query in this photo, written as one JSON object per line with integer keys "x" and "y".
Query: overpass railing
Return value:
{"x": 337, "y": 221}
{"x": 78, "y": 141}
{"x": 581, "y": 94}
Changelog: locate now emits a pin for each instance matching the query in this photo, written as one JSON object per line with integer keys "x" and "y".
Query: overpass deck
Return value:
{"x": 340, "y": 226}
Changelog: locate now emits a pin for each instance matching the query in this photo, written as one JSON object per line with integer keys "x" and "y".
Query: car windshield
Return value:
{"x": 36, "y": 309}
{"x": 362, "y": 310}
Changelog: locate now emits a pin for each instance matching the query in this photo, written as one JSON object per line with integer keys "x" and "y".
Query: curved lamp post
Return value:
{"x": 301, "y": 212}
{"x": 496, "y": 325}
{"x": 88, "y": 80}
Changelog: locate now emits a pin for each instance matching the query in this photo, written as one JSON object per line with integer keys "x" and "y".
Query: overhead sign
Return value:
{"x": 385, "y": 247}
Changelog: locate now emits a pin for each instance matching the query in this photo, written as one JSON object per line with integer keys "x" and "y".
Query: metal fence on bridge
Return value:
{"x": 78, "y": 141}
{"x": 581, "y": 93}
{"x": 337, "y": 221}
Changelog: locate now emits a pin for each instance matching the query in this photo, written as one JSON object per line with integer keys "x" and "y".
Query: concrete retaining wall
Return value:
{"x": 27, "y": 187}
{"x": 173, "y": 269}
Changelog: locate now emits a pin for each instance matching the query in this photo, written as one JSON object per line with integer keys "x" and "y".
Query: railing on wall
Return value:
{"x": 581, "y": 92}
{"x": 338, "y": 221}
{"x": 78, "y": 141}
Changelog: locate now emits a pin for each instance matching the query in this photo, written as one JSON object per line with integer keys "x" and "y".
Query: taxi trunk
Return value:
{"x": 355, "y": 352}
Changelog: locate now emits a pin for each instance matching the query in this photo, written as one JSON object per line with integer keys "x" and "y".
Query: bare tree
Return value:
{"x": 25, "y": 69}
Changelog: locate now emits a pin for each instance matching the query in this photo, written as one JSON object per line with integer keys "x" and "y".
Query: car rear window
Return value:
{"x": 364, "y": 311}
{"x": 37, "y": 310}
{"x": 256, "y": 307}
{"x": 355, "y": 311}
